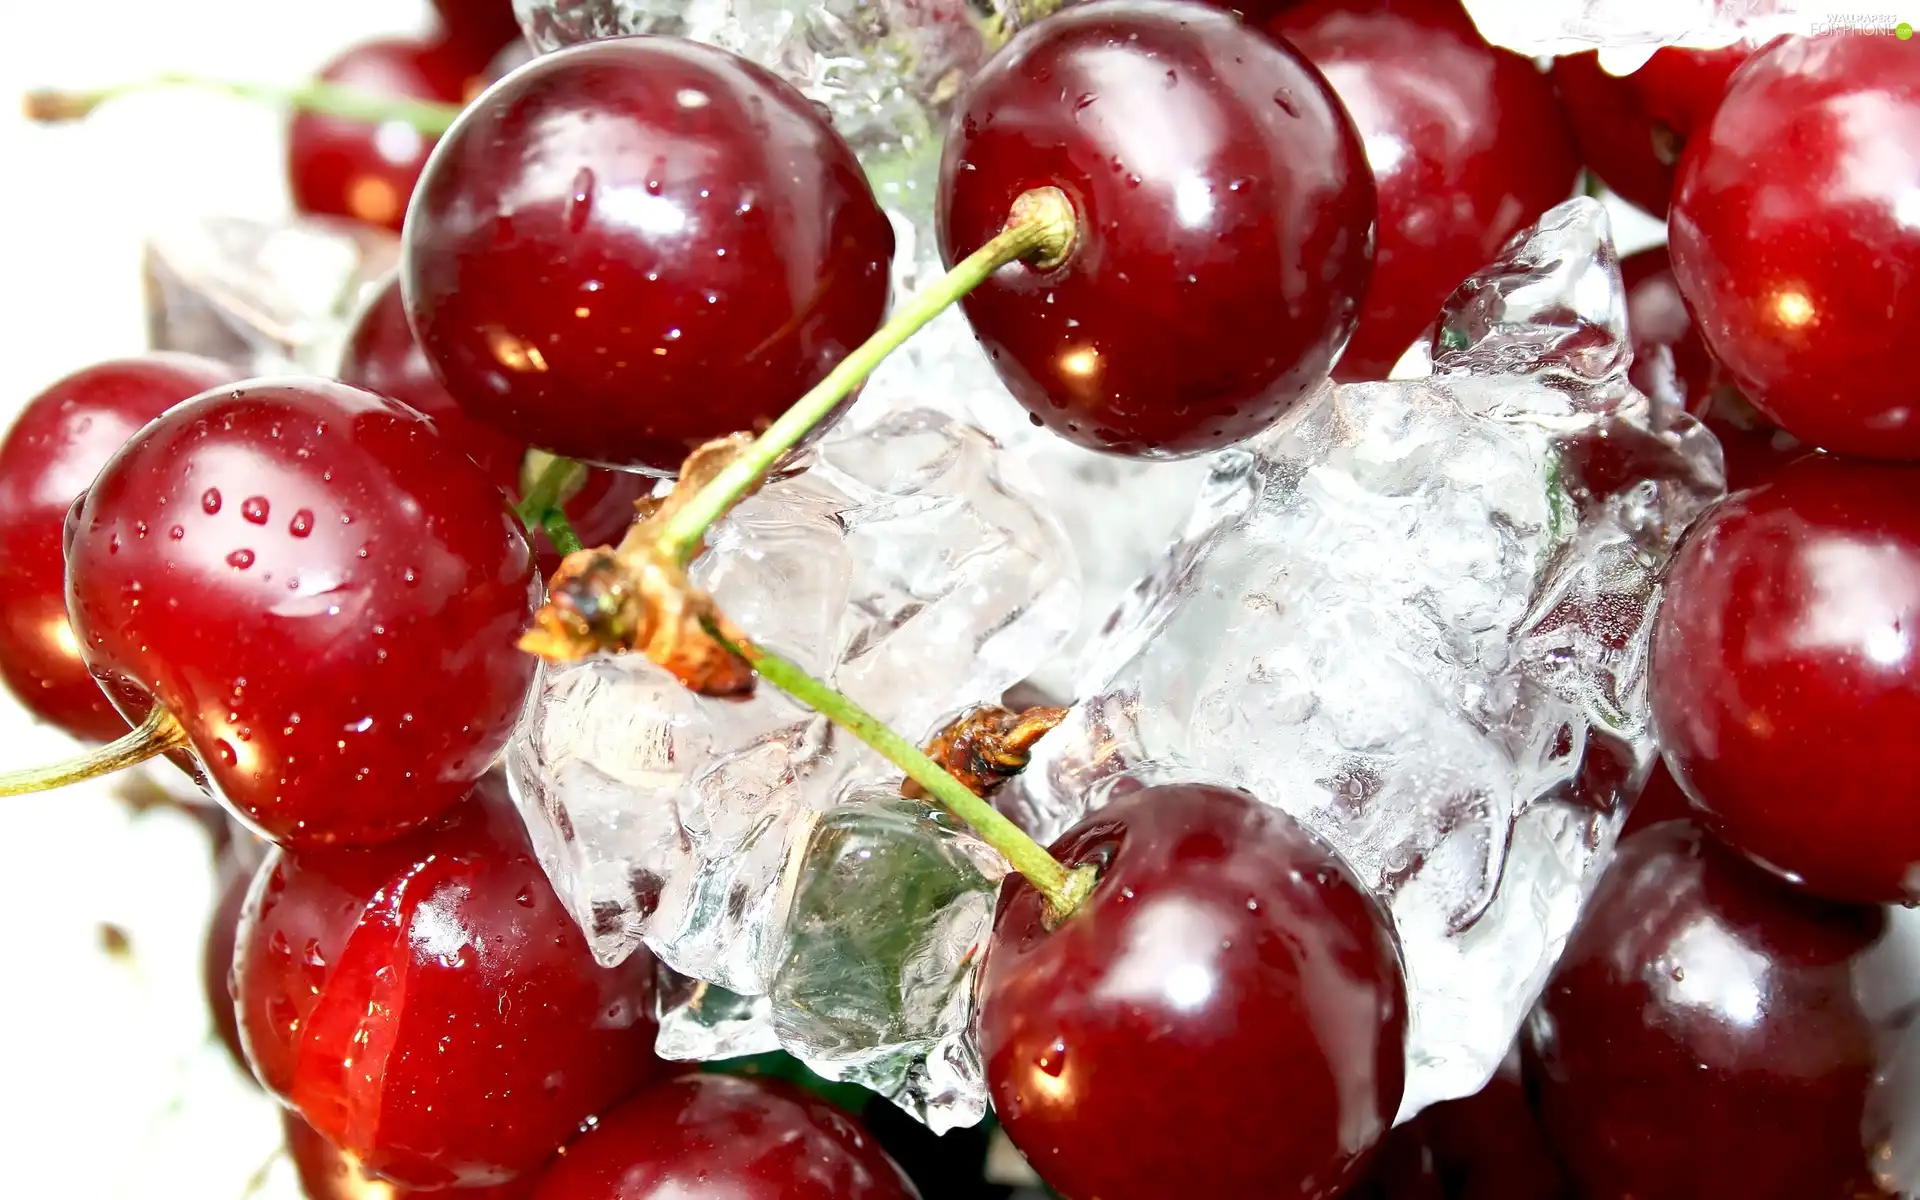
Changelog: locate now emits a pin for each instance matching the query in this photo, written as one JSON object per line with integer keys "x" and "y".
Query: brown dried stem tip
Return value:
{"x": 631, "y": 597}
{"x": 987, "y": 746}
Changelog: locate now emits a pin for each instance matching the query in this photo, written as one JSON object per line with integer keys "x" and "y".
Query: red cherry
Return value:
{"x": 1225, "y": 215}
{"x": 1632, "y": 128}
{"x": 59, "y": 443}
{"x": 1796, "y": 239}
{"x": 1223, "y": 1016}
{"x": 481, "y": 26}
{"x": 362, "y": 169}
{"x": 1488, "y": 1146}
{"x": 1467, "y": 145}
{"x": 1660, "y": 801}
{"x": 1671, "y": 365}
{"x": 632, "y": 247}
{"x": 1786, "y": 675}
{"x": 725, "y": 1135}
{"x": 327, "y": 1174}
{"x": 216, "y": 961}
{"x": 429, "y": 1006}
{"x": 322, "y": 590}
{"x": 382, "y": 356}
{"x": 1705, "y": 1033}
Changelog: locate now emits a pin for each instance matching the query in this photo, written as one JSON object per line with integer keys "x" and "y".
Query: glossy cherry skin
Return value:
{"x": 57, "y": 445}
{"x": 327, "y": 1174}
{"x": 1466, "y": 142}
{"x": 1632, "y": 128}
{"x": 1786, "y": 675}
{"x": 1671, "y": 365}
{"x": 1223, "y": 1016}
{"x": 1225, "y": 224}
{"x": 725, "y": 1135}
{"x": 323, "y": 591}
{"x": 382, "y": 356}
{"x": 363, "y": 170}
{"x": 481, "y": 27}
{"x": 429, "y": 1006}
{"x": 631, "y": 247}
{"x": 1795, "y": 241}
{"x": 1704, "y": 1034}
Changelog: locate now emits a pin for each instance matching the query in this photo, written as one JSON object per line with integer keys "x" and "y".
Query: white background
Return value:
{"x": 110, "y": 1084}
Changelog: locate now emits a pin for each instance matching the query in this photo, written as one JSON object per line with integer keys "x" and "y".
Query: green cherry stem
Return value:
{"x": 1040, "y": 229}
{"x": 552, "y": 480}
{"x": 154, "y": 736}
{"x": 560, "y": 531}
{"x": 316, "y": 96}
{"x": 1063, "y": 889}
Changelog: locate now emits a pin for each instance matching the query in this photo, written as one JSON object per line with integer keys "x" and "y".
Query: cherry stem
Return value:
{"x": 1040, "y": 229}
{"x": 154, "y": 736}
{"x": 542, "y": 505}
{"x": 316, "y": 96}
{"x": 1063, "y": 888}
{"x": 560, "y": 532}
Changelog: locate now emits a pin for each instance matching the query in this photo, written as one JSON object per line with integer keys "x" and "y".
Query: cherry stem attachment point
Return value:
{"x": 549, "y": 480}
{"x": 153, "y": 737}
{"x": 49, "y": 106}
{"x": 1040, "y": 228}
{"x": 1063, "y": 888}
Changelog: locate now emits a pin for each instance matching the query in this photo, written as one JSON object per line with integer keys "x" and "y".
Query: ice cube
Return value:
{"x": 273, "y": 298}
{"x": 1415, "y": 616}
{"x": 890, "y": 915}
{"x": 700, "y": 1022}
{"x": 1627, "y": 32}
{"x": 910, "y": 566}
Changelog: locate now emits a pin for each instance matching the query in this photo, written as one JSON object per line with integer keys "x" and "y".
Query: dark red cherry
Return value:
{"x": 429, "y": 1006}
{"x": 1661, "y": 800}
{"x": 1223, "y": 1016}
{"x": 57, "y": 445}
{"x": 725, "y": 1135}
{"x": 1786, "y": 675}
{"x": 632, "y": 247}
{"x": 327, "y": 1174}
{"x": 322, "y": 590}
{"x": 1671, "y": 365}
{"x": 382, "y": 356}
{"x": 1225, "y": 216}
{"x": 1711, "y": 1033}
{"x": 1466, "y": 142}
{"x": 1488, "y": 1146}
{"x": 367, "y": 170}
{"x": 1796, "y": 239}
{"x": 216, "y": 960}
{"x": 1632, "y": 128}
{"x": 481, "y": 27}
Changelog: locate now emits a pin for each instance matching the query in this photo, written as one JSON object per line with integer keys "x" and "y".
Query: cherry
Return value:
{"x": 1661, "y": 800}
{"x": 1795, "y": 239}
{"x": 1223, "y": 1016}
{"x": 631, "y": 247}
{"x": 323, "y": 592}
{"x": 216, "y": 961}
{"x": 1705, "y": 1033}
{"x": 327, "y": 1174}
{"x": 1786, "y": 675}
{"x": 363, "y": 170}
{"x": 60, "y": 441}
{"x": 429, "y": 1006}
{"x": 725, "y": 1135}
{"x": 482, "y": 27}
{"x": 1632, "y": 128}
{"x": 1671, "y": 365}
{"x": 1225, "y": 214}
{"x": 1488, "y": 1146}
{"x": 1467, "y": 145}
{"x": 382, "y": 356}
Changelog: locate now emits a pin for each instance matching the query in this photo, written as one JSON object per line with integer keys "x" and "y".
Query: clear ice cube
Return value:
{"x": 910, "y": 566}
{"x": 700, "y": 1022}
{"x": 271, "y": 297}
{"x": 1627, "y": 32}
{"x": 1415, "y": 616}
{"x": 890, "y": 915}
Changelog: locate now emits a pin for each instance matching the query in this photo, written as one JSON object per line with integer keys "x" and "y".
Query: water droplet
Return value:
{"x": 1085, "y": 100}
{"x": 210, "y": 500}
{"x": 254, "y": 509}
{"x": 240, "y": 560}
{"x": 524, "y": 898}
{"x": 580, "y": 203}
{"x": 176, "y": 533}
{"x": 1284, "y": 98}
{"x": 302, "y": 523}
{"x": 1173, "y": 78}
{"x": 1054, "y": 1062}
{"x": 314, "y": 965}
